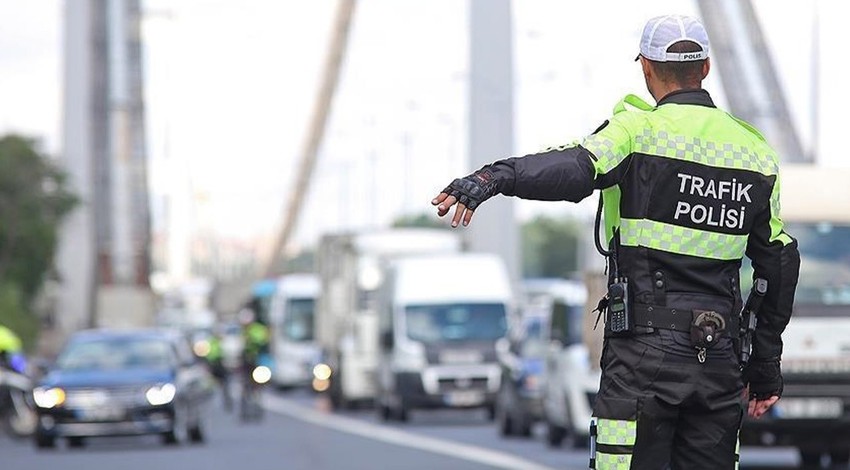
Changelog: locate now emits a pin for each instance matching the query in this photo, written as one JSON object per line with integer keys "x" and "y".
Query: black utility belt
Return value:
{"x": 705, "y": 327}
{"x": 681, "y": 319}
{"x": 666, "y": 318}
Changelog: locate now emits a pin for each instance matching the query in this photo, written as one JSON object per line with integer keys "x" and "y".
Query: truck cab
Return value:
{"x": 292, "y": 325}
{"x": 814, "y": 411}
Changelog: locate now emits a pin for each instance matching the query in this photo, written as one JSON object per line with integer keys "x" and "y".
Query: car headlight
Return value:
{"x": 322, "y": 371}
{"x": 161, "y": 394}
{"x": 48, "y": 397}
{"x": 261, "y": 374}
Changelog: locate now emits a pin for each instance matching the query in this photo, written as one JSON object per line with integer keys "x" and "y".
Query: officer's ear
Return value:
{"x": 706, "y": 66}
{"x": 647, "y": 68}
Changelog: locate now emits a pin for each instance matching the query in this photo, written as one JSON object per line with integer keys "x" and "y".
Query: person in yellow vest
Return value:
{"x": 11, "y": 350}
{"x": 215, "y": 360}
{"x": 255, "y": 336}
{"x": 688, "y": 190}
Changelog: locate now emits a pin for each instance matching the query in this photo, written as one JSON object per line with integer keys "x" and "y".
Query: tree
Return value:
{"x": 550, "y": 247}
{"x": 34, "y": 197}
{"x": 420, "y": 221}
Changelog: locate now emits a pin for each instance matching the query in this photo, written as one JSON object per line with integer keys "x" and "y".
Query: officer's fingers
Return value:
{"x": 767, "y": 404}
{"x": 459, "y": 210}
{"x": 445, "y": 205}
{"x": 439, "y": 198}
{"x": 467, "y": 218}
{"x": 751, "y": 409}
{"x": 757, "y": 408}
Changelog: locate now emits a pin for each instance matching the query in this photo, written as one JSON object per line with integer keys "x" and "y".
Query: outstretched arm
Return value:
{"x": 562, "y": 174}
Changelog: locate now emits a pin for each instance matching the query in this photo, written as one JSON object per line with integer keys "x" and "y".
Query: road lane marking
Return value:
{"x": 399, "y": 437}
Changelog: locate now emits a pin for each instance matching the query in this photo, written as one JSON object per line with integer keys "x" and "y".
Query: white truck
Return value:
{"x": 292, "y": 326}
{"x": 814, "y": 412}
{"x": 350, "y": 267}
{"x": 440, "y": 318}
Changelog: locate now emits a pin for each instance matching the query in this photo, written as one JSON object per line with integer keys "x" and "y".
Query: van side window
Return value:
{"x": 566, "y": 323}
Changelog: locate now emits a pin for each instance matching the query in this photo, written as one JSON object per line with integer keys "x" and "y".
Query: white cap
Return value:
{"x": 662, "y": 32}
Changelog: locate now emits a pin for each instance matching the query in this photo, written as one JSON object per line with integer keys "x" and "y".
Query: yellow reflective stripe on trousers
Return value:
{"x": 613, "y": 461}
{"x": 616, "y": 432}
{"x": 681, "y": 240}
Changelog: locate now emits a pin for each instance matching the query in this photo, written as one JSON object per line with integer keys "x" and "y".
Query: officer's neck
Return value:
{"x": 661, "y": 89}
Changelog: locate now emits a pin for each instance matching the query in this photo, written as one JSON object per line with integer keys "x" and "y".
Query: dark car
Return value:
{"x": 120, "y": 383}
{"x": 521, "y": 356}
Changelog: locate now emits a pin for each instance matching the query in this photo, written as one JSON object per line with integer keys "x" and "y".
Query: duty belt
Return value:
{"x": 668, "y": 318}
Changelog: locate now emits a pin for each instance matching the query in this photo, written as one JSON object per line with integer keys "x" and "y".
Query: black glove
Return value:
{"x": 474, "y": 189}
{"x": 764, "y": 379}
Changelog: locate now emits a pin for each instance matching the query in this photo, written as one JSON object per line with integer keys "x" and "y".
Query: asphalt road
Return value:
{"x": 299, "y": 433}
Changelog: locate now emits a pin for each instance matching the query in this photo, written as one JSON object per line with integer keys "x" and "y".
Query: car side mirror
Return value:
{"x": 387, "y": 340}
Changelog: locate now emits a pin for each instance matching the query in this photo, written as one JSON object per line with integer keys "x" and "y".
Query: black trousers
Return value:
{"x": 658, "y": 407}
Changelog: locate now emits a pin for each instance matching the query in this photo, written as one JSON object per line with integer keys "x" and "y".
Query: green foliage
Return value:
{"x": 550, "y": 247}
{"x": 15, "y": 316}
{"x": 34, "y": 197}
{"x": 419, "y": 221}
{"x": 303, "y": 262}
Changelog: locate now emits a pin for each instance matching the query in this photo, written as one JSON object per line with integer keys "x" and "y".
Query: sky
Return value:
{"x": 230, "y": 86}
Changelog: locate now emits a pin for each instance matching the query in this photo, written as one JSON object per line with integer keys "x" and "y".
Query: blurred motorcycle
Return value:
{"x": 251, "y": 408}
{"x": 17, "y": 415}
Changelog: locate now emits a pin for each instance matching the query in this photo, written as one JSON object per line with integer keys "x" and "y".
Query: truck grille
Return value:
{"x": 451, "y": 384}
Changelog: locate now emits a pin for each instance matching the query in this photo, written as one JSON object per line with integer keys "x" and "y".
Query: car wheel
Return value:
{"x": 555, "y": 434}
{"x": 43, "y": 441}
{"x": 503, "y": 414}
{"x": 384, "y": 412}
{"x": 523, "y": 426}
{"x": 491, "y": 412}
{"x": 503, "y": 418}
{"x": 403, "y": 413}
{"x": 580, "y": 441}
{"x": 196, "y": 432}
{"x": 179, "y": 429}
{"x": 76, "y": 442}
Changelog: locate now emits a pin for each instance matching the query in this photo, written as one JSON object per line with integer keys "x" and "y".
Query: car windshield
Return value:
{"x": 533, "y": 343}
{"x": 456, "y": 322}
{"x": 298, "y": 320}
{"x": 117, "y": 353}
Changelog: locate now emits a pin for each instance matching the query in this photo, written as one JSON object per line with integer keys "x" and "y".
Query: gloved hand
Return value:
{"x": 764, "y": 378}
{"x": 474, "y": 189}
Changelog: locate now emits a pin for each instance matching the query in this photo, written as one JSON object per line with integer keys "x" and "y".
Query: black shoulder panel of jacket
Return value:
{"x": 562, "y": 174}
{"x": 779, "y": 264}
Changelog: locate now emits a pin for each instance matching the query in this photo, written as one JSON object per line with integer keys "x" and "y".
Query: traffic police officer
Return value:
{"x": 688, "y": 191}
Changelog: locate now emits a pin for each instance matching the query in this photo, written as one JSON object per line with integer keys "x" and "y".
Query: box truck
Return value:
{"x": 351, "y": 267}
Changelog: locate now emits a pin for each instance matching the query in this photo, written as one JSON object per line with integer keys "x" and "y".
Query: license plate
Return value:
{"x": 804, "y": 408}
{"x": 464, "y": 398}
{"x": 104, "y": 413}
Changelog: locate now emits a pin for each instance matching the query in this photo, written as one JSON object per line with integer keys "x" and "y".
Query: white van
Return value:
{"x": 292, "y": 325}
{"x": 570, "y": 380}
{"x": 440, "y": 318}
